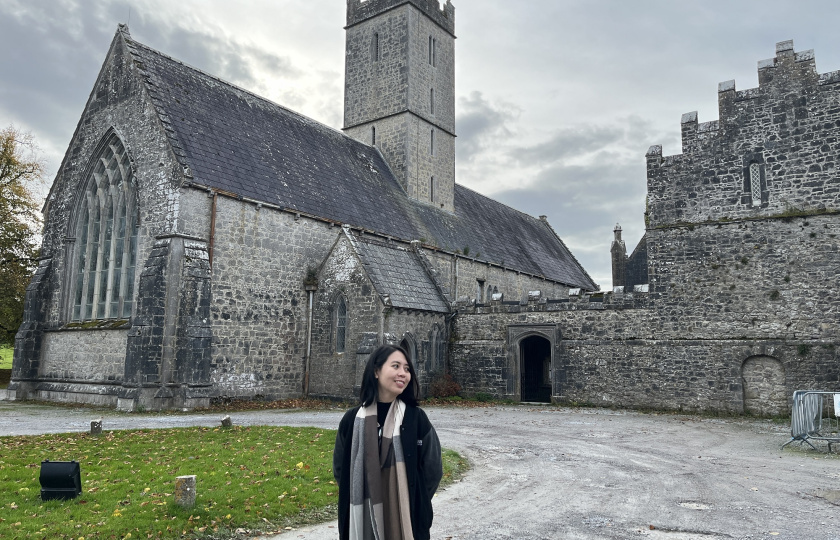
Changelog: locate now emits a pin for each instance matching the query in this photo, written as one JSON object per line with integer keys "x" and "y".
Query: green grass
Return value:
{"x": 6, "y": 357}
{"x": 253, "y": 478}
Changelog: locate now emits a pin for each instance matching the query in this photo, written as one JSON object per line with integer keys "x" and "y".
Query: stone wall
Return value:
{"x": 459, "y": 276}
{"x": 787, "y": 126}
{"x": 259, "y": 305}
{"x": 742, "y": 301}
{"x": 118, "y": 104}
{"x": 388, "y": 84}
{"x": 337, "y": 374}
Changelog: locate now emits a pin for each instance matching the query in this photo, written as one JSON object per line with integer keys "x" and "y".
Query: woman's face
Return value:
{"x": 393, "y": 377}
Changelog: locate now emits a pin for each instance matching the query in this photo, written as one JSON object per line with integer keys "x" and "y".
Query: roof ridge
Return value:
{"x": 127, "y": 36}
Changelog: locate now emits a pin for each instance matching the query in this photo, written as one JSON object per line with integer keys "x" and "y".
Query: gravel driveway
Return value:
{"x": 556, "y": 473}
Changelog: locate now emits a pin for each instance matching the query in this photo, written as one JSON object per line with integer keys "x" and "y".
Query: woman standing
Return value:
{"x": 387, "y": 456}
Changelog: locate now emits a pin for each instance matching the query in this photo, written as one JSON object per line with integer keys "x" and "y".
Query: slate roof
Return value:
{"x": 234, "y": 141}
{"x": 397, "y": 272}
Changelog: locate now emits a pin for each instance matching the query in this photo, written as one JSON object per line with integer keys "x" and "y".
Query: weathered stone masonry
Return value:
{"x": 742, "y": 307}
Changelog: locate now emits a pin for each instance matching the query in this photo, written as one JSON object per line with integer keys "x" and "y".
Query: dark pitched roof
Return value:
{"x": 397, "y": 272}
{"x": 237, "y": 142}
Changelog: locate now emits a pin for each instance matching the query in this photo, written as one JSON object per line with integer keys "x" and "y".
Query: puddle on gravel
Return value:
{"x": 694, "y": 505}
{"x": 681, "y": 535}
{"x": 830, "y": 495}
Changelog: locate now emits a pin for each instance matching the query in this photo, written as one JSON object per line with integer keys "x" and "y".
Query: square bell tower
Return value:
{"x": 400, "y": 91}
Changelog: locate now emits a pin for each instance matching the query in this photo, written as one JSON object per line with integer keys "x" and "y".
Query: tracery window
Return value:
{"x": 106, "y": 233}
{"x": 341, "y": 325}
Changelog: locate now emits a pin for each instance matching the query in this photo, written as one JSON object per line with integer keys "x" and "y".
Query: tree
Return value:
{"x": 21, "y": 172}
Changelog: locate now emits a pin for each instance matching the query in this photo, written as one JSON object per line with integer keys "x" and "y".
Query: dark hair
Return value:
{"x": 370, "y": 385}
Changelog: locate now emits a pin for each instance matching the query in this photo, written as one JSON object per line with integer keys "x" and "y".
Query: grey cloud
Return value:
{"x": 482, "y": 125}
{"x": 569, "y": 142}
{"x": 583, "y": 204}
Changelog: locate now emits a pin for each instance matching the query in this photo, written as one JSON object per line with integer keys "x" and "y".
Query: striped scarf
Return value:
{"x": 379, "y": 503}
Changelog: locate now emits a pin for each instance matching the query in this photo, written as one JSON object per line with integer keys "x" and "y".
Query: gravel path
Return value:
{"x": 554, "y": 473}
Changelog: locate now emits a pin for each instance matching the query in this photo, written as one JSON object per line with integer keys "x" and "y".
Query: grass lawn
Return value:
{"x": 254, "y": 478}
{"x": 6, "y": 357}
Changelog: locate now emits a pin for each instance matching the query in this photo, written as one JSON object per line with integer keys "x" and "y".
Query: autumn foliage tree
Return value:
{"x": 21, "y": 173}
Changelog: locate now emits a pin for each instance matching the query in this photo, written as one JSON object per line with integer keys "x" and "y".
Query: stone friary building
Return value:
{"x": 202, "y": 242}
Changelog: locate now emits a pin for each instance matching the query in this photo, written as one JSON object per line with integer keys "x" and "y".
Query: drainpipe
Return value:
{"x": 310, "y": 291}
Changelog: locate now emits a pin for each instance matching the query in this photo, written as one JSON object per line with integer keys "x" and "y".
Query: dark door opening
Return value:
{"x": 535, "y": 362}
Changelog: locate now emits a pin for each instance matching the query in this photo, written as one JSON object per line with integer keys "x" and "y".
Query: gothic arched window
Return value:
{"x": 341, "y": 325}
{"x": 106, "y": 233}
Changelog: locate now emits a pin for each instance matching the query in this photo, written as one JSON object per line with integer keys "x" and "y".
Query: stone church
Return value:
{"x": 202, "y": 242}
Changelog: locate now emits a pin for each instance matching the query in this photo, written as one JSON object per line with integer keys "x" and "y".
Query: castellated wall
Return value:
{"x": 788, "y": 126}
{"x": 443, "y": 15}
{"x": 742, "y": 302}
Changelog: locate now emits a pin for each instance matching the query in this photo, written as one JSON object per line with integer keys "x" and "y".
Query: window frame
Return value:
{"x": 103, "y": 250}
{"x": 341, "y": 324}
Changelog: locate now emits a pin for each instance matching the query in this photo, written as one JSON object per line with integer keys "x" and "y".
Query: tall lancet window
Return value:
{"x": 755, "y": 183}
{"x": 106, "y": 238}
{"x": 341, "y": 325}
{"x": 375, "y": 52}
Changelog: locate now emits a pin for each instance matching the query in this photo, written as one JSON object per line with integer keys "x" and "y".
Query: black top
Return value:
{"x": 424, "y": 469}
{"x": 381, "y": 414}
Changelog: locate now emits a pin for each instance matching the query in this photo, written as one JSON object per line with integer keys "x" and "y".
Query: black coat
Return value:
{"x": 423, "y": 465}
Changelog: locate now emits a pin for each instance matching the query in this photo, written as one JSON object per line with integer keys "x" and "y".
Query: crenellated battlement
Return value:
{"x": 773, "y": 150}
{"x": 787, "y": 72}
{"x": 361, "y": 10}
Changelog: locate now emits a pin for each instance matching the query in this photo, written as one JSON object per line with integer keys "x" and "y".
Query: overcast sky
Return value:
{"x": 557, "y": 101}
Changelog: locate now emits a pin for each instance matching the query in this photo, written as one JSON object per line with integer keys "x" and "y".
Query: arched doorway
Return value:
{"x": 410, "y": 347}
{"x": 765, "y": 392}
{"x": 535, "y": 369}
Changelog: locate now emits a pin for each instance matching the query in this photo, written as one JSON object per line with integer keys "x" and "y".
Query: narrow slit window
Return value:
{"x": 431, "y": 50}
{"x": 432, "y": 143}
{"x": 432, "y": 100}
{"x": 341, "y": 326}
{"x": 755, "y": 184}
{"x": 374, "y": 49}
{"x": 432, "y": 189}
{"x": 373, "y": 135}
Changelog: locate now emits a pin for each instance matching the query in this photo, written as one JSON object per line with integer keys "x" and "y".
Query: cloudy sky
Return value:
{"x": 557, "y": 100}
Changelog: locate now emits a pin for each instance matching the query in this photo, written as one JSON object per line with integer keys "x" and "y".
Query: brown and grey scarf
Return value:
{"x": 379, "y": 503}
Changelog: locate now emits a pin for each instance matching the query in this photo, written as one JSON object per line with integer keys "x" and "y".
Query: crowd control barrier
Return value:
{"x": 814, "y": 417}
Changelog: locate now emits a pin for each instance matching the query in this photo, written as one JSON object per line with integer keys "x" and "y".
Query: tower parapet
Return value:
{"x": 772, "y": 153}
{"x": 361, "y": 10}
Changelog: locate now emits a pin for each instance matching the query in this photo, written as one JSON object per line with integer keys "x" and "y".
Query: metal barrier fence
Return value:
{"x": 815, "y": 417}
